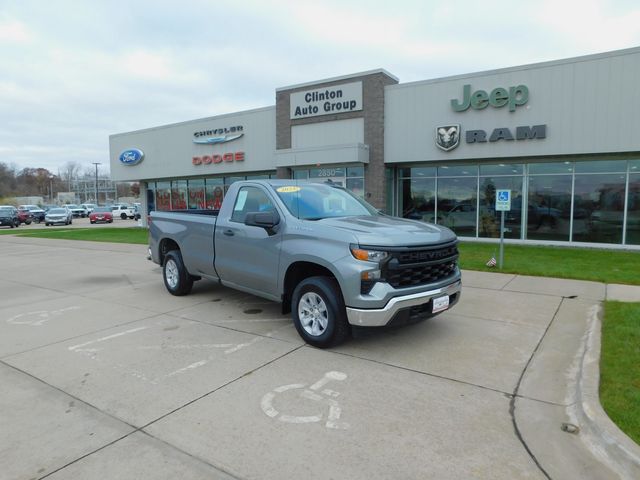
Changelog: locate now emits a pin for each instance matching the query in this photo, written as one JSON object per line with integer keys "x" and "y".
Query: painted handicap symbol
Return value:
{"x": 325, "y": 397}
{"x": 39, "y": 317}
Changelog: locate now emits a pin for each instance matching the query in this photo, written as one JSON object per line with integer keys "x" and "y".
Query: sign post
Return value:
{"x": 503, "y": 204}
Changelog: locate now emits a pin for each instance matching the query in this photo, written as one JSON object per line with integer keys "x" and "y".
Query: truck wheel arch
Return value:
{"x": 166, "y": 245}
{"x": 296, "y": 273}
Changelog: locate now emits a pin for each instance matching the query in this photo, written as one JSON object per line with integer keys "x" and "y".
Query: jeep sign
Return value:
{"x": 499, "y": 97}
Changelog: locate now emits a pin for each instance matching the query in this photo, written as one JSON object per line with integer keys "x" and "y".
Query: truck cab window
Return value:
{"x": 250, "y": 199}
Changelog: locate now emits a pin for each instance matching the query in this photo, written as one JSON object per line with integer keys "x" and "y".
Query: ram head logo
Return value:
{"x": 448, "y": 137}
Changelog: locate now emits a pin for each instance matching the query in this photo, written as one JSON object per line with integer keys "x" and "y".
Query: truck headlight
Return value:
{"x": 368, "y": 255}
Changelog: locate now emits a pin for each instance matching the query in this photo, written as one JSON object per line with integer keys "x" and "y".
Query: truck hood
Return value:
{"x": 388, "y": 231}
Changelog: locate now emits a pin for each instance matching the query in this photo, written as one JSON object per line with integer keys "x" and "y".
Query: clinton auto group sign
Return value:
{"x": 327, "y": 100}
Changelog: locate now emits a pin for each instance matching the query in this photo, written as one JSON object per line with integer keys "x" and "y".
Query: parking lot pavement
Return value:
{"x": 106, "y": 375}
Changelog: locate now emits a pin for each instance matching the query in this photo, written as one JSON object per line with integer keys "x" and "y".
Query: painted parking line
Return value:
{"x": 91, "y": 349}
{"x": 80, "y": 347}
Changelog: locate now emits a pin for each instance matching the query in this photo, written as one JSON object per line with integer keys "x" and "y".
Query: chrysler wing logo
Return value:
{"x": 132, "y": 156}
{"x": 221, "y": 139}
{"x": 448, "y": 137}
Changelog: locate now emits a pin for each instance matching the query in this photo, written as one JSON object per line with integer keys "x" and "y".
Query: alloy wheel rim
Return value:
{"x": 171, "y": 273}
{"x": 313, "y": 314}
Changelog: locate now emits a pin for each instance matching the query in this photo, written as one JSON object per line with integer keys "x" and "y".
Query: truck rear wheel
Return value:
{"x": 318, "y": 312}
{"x": 175, "y": 275}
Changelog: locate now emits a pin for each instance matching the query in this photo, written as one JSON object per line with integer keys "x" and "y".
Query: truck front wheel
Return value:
{"x": 318, "y": 312}
{"x": 175, "y": 275}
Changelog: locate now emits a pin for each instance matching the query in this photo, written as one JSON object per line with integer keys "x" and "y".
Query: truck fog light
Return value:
{"x": 370, "y": 275}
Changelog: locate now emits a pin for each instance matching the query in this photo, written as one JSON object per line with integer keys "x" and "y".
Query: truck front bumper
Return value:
{"x": 404, "y": 307}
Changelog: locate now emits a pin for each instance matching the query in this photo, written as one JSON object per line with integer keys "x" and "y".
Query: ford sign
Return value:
{"x": 131, "y": 157}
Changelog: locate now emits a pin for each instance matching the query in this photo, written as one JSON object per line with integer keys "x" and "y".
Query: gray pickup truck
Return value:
{"x": 329, "y": 257}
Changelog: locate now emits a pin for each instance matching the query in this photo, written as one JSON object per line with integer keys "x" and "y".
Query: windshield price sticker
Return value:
{"x": 290, "y": 189}
{"x": 440, "y": 304}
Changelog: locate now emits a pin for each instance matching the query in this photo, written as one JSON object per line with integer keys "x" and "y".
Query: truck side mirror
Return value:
{"x": 266, "y": 220}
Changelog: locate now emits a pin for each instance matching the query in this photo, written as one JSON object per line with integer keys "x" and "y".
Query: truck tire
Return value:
{"x": 175, "y": 275}
{"x": 318, "y": 312}
{"x": 123, "y": 216}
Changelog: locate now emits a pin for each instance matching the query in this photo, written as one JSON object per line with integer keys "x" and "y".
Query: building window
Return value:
{"x": 562, "y": 201}
{"x": 549, "y": 208}
{"x": 214, "y": 193}
{"x": 179, "y": 195}
{"x": 417, "y": 194}
{"x": 355, "y": 180}
{"x": 457, "y": 204}
{"x": 598, "y": 209}
{"x": 489, "y": 218}
{"x": 163, "y": 196}
{"x": 633, "y": 204}
{"x": 151, "y": 197}
{"x": 196, "y": 194}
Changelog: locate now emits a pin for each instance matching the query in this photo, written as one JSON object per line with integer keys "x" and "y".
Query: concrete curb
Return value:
{"x": 606, "y": 441}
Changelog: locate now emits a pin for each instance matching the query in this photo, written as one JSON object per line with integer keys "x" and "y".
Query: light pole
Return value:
{"x": 96, "y": 164}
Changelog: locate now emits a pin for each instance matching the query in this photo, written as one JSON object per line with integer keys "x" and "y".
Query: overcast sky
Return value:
{"x": 74, "y": 72}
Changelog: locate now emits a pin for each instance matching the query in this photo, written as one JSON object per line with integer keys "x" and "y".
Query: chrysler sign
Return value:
{"x": 325, "y": 101}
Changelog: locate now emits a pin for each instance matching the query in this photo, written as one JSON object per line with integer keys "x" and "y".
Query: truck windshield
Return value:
{"x": 317, "y": 201}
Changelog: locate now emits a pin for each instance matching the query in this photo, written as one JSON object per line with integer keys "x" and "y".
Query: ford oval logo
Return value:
{"x": 132, "y": 156}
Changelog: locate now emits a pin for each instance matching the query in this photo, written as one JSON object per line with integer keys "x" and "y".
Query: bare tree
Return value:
{"x": 69, "y": 171}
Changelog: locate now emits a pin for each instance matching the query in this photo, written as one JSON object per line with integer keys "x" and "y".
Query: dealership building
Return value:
{"x": 562, "y": 136}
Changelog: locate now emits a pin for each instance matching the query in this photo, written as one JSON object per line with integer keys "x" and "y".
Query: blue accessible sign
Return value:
{"x": 503, "y": 200}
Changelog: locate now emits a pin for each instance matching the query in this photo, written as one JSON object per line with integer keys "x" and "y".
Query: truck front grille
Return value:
{"x": 420, "y": 266}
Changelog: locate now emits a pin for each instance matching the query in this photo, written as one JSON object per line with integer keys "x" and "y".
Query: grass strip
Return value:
{"x": 134, "y": 235}
{"x": 606, "y": 266}
{"x": 620, "y": 366}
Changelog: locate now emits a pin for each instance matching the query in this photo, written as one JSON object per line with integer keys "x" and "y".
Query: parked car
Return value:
{"x": 37, "y": 214}
{"x": 9, "y": 216}
{"x": 123, "y": 211}
{"x": 77, "y": 210}
{"x": 101, "y": 214}
{"x": 24, "y": 215}
{"x": 89, "y": 207}
{"x": 59, "y": 215}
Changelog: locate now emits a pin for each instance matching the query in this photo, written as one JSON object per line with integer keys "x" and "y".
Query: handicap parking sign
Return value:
{"x": 503, "y": 200}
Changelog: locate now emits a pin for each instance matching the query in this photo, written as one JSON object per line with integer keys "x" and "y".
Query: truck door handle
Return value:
{"x": 228, "y": 233}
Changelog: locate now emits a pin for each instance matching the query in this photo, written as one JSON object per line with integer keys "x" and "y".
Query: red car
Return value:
{"x": 25, "y": 216}
{"x": 101, "y": 214}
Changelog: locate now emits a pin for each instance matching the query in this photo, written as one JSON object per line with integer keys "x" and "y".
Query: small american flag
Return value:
{"x": 492, "y": 262}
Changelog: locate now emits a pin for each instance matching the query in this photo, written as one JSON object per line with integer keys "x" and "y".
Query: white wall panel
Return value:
{"x": 322, "y": 134}
{"x": 169, "y": 149}
{"x": 589, "y": 104}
